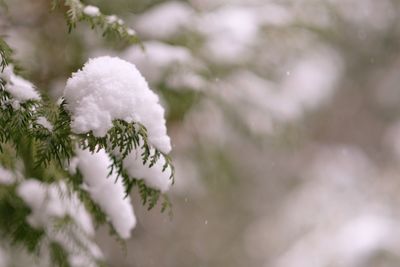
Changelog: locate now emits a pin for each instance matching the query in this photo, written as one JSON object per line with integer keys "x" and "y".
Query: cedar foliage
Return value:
{"x": 45, "y": 154}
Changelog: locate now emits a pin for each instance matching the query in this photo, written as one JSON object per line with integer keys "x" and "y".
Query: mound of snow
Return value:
{"x": 109, "y": 88}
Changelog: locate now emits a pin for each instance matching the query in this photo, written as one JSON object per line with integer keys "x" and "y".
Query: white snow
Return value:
{"x": 186, "y": 79}
{"x": 153, "y": 176}
{"x": 16, "y": 105}
{"x": 55, "y": 201}
{"x": 229, "y": 33}
{"x": 6, "y": 176}
{"x": 43, "y": 121}
{"x": 109, "y": 88}
{"x": 35, "y": 194}
{"x": 21, "y": 89}
{"x": 130, "y": 31}
{"x": 111, "y": 19}
{"x": 165, "y": 20}
{"x": 308, "y": 83}
{"x": 82, "y": 252}
{"x": 157, "y": 59}
{"x": 107, "y": 191}
{"x": 91, "y": 11}
{"x": 49, "y": 201}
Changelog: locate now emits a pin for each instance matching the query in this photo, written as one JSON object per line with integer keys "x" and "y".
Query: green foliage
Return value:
{"x": 123, "y": 138}
{"x": 58, "y": 255}
{"x": 13, "y": 225}
{"x": 15, "y": 122}
{"x": 55, "y": 145}
{"x": 5, "y": 54}
{"x": 179, "y": 102}
{"x": 44, "y": 154}
{"x": 110, "y": 26}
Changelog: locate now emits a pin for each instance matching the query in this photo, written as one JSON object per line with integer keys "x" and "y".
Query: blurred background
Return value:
{"x": 284, "y": 117}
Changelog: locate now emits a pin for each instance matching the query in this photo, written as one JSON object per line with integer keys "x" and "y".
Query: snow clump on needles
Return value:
{"x": 109, "y": 88}
{"x": 106, "y": 89}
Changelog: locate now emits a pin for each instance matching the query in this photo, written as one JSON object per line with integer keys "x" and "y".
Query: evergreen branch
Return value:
{"x": 13, "y": 224}
{"x": 119, "y": 142}
{"x": 56, "y": 145}
{"x": 110, "y": 25}
{"x": 5, "y": 54}
{"x": 15, "y": 122}
{"x": 44, "y": 152}
{"x": 58, "y": 255}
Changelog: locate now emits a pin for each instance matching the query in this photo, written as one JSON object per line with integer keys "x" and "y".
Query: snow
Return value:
{"x": 312, "y": 79}
{"x": 130, "y": 32}
{"x": 175, "y": 65}
{"x": 45, "y": 123}
{"x": 72, "y": 242}
{"x": 35, "y": 195}
{"x": 21, "y": 89}
{"x": 364, "y": 235}
{"x": 353, "y": 241}
{"x": 16, "y": 105}
{"x": 186, "y": 79}
{"x": 107, "y": 191}
{"x": 54, "y": 201}
{"x": 49, "y": 201}
{"x": 111, "y": 19}
{"x": 157, "y": 58}
{"x": 153, "y": 177}
{"x": 345, "y": 222}
{"x": 165, "y": 20}
{"x": 229, "y": 33}
{"x": 307, "y": 84}
{"x": 91, "y": 11}
{"x": 6, "y": 177}
{"x": 109, "y": 88}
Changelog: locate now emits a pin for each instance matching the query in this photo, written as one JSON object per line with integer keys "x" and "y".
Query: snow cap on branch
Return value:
{"x": 92, "y": 11}
{"x": 107, "y": 191}
{"x": 21, "y": 89}
{"x": 154, "y": 176}
{"x": 44, "y": 122}
{"x": 50, "y": 201}
{"x": 165, "y": 20}
{"x": 109, "y": 88}
{"x": 7, "y": 177}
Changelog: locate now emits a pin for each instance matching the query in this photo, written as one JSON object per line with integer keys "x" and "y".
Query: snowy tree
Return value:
{"x": 283, "y": 116}
{"x": 67, "y": 166}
